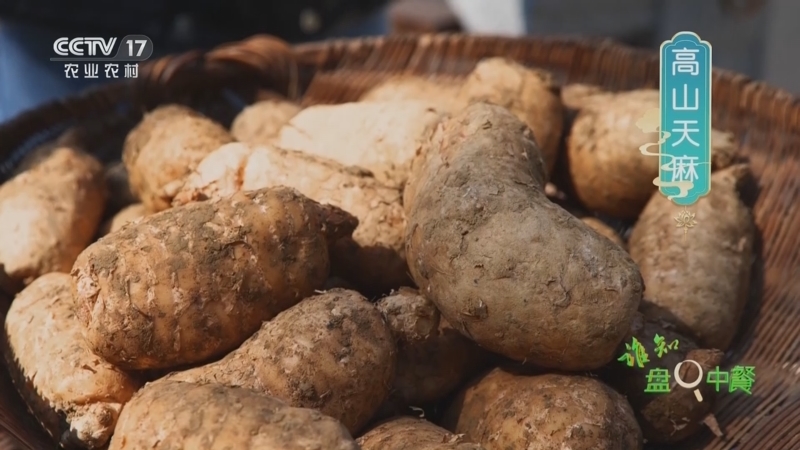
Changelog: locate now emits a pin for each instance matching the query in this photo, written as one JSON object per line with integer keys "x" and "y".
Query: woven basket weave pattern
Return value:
{"x": 766, "y": 122}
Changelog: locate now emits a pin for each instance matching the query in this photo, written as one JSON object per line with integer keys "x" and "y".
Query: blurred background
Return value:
{"x": 754, "y": 37}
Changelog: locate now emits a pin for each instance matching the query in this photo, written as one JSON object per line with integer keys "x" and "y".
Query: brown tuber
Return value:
{"x": 529, "y": 94}
{"x": 193, "y": 282}
{"x": 381, "y": 137}
{"x": 410, "y": 433}
{"x": 125, "y": 216}
{"x": 608, "y": 172}
{"x": 259, "y": 123}
{"x": 501, "y": 410}
{"x": 164, "y": 147}
{"x": 514, "y": 272}
{"x": 76, "y": 395}
{"x": 332, "y": 352}
{"x": 373, "y": 258}
{"x": 50, "y": 212}
{"x": 432, "y": 357}
{"x": 698, "y": 278}
{"x": 174, "y": 415}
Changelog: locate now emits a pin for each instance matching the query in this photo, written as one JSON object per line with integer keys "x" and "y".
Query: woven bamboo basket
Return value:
{"x": 765, "y": 120}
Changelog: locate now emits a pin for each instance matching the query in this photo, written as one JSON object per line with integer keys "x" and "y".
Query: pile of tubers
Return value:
{"x": 431, "y": 267}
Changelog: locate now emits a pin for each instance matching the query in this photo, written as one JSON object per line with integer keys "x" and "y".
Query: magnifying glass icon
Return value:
{"x": 693, "y": 384}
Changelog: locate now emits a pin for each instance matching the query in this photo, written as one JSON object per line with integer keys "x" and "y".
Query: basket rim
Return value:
{"x": 276, "y": 64}
{"x": 328, "y": 56}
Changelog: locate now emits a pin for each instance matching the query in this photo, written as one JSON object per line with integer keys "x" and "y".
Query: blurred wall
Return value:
{"x": 737, "y": 40}
{"x": 763, "y": 44}
{"x": 497, "y": 17}
{"x": 780, "y": 64}
{"x": 617, "y": 18}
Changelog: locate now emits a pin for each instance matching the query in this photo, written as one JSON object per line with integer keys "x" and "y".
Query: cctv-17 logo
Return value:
{"x": 84, "y": 46}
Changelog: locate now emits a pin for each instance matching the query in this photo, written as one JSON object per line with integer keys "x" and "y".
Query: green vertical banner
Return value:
{"x": 685, "y": 150}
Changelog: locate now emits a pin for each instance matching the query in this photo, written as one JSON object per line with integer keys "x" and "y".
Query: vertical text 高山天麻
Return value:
{"x": 685, "y": 161}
